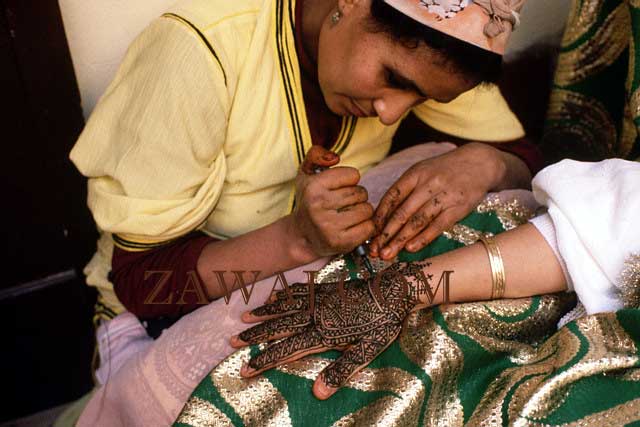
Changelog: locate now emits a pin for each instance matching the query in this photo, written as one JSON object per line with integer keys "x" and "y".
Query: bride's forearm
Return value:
{"x": 531, "y": 268}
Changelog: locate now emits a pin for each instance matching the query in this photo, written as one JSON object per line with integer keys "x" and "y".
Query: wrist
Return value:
{"x": 423, "y": 286}
{"x": 298, "y": 245}
{"x": 493, "y": 161}
{"x": 436, "y": 288}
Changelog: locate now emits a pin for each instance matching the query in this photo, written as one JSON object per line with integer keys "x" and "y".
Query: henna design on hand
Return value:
{"x": 276, "y": 328}
{"x": 359, "y": 355}
{"x": 360, "y": 317}
{"x": 287, "y": 350}
{"x": 294, "y": 290}
{"x": 281, "y": 307}
{"x": 301, "y": 290}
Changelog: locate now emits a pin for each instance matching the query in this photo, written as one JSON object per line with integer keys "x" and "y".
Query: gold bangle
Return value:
{"x": 497, "y": 266}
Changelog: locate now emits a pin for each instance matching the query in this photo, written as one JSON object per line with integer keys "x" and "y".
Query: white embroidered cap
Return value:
{"x": 485, "y": 23}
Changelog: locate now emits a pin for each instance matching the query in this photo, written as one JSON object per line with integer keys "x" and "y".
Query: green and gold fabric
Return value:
{"x": 594, "y": 111}
{"x": 487, "y": 363}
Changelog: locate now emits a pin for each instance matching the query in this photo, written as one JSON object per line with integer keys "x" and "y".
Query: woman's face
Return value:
{"x": 367, "y": 74}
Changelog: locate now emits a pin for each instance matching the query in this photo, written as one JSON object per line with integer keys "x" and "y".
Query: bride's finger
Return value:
{"x": 292, "y": 291}
{"x": 353, "y": 359}
{"x": 272, "y": 330}
{"x": 274, "y": 310}
{"x": 288, "y": 350}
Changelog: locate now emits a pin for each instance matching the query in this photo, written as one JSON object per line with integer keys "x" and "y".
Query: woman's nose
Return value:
{"x": 390, "y": 109}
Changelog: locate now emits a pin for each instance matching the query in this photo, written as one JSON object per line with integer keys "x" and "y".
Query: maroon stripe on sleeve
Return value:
{"x": 161, "y": 282}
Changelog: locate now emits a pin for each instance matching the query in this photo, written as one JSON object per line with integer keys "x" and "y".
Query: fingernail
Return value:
{"x": 238, "y": 342}
{"x": 412, "y": 248}
{"x": 324, "y": 392}
{"x": 386, "y": 253}
{"x": 329, "y": 157}
{"x": 246, "y": 370}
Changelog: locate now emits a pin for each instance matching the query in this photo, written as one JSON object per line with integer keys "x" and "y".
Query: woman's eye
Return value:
{"x": 393, "y": 81}
{"x": 401, "y": 84}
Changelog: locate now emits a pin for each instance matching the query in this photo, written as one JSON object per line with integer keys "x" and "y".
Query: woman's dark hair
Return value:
{"x": 471, "y": 61}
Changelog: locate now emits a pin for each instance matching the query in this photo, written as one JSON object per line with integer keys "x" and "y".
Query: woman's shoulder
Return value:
{"x": 226, "y": 27}
{"x": 206, "y": 15}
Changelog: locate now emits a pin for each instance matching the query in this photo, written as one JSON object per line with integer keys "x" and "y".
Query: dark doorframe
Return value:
{"x": 47, "y": 231}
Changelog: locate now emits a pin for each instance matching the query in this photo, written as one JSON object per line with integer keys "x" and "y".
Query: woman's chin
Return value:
{"x": 338, "y": 108}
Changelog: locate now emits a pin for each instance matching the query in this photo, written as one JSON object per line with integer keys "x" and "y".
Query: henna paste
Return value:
{"x": 361, "y": 316}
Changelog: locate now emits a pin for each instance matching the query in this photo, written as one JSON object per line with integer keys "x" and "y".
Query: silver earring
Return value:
{"x": 335, "y": 18}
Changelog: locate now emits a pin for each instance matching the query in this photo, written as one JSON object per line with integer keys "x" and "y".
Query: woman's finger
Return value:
{"x": 354, "y": 359}
{"x": 395, "y": 195}
{"x": 288, "y": 350}
{"x": 418, "y": 222}
{"x": 272, "y": 330}
{"x": 349, "y": 216}
{"x": 405, "y": 217}
{"x": 346, "y": 196}
{"x": 444, "y": 221}
{"x": 357, "y": 234}
{"x": 339, "y": 177}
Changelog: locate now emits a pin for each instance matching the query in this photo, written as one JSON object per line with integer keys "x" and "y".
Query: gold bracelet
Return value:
{"x": 497, "y": 266}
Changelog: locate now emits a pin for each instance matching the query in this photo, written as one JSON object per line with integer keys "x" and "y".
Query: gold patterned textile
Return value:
{"x": 478, "y": 364}
{"x": 502, "y": 371}
{"x": 594, "y": 111}
{"x": 630, "y": 282}
{"x": 200, "y": 413}
{"x": 506, "y": 370}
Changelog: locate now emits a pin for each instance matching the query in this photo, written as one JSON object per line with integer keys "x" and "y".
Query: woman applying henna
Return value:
{"x": 437, "y": 366}
{"x": 193, "y": 151}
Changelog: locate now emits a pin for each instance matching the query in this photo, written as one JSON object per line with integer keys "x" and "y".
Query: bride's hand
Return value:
{"x": 360, "y": 317}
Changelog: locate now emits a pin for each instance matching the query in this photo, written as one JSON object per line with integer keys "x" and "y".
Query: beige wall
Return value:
{"x": 541, "y": 20}
{"x": 99, "y": 32}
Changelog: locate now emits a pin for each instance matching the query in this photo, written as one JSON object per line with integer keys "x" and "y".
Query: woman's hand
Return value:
{"x": 332, "y": 212}
{"x": 432, "y": 196}
{"x": 360, "y": 318}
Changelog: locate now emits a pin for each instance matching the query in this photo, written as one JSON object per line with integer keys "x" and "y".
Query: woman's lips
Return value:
{"x": 357, "y": 110}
